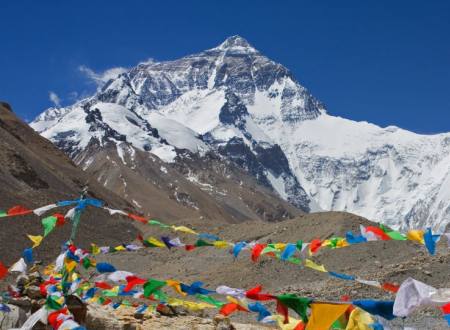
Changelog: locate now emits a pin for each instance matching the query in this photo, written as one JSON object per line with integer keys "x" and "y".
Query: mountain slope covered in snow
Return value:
{"x": 233, "y": 101}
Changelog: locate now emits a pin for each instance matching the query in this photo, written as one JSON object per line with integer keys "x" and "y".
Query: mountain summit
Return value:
{"x": 234, "y": 103}
{"x": 236, "y": 44}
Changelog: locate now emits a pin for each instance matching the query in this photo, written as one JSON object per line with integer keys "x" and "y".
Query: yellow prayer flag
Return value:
{"x": 416, "y": 235}
{"x": 291, "y": 325}
{"x": 70, "y": 265}
{"x": 176, "y": 286}
{"x": 279, "y": 246}
{"x": 232, "y": 300}
{"x": 323, "y": 315}
{"x": 311, "y": 264}
{"x": 359, "y": 320}
{"x": 95, "y": 249}
{"x": 184, "y": 229}
{"x": 120, "y": 248}
{"x": 36, "y": 240}
{"x": 155, "y": 242}
{"x": 342, "y": 243}
{"x": 220, "y": 244}
{"x": 188, "y": 304}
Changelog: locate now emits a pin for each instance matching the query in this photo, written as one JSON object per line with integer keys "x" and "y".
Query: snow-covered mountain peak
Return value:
{"x": 237, "y": 103}
{"x": 236, "y": 44}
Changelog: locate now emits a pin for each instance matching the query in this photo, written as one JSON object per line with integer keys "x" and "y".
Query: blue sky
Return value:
{"x": 387, "y": 62}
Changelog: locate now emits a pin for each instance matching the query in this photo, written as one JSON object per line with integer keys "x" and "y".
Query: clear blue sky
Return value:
{"x": 384, "y": 61}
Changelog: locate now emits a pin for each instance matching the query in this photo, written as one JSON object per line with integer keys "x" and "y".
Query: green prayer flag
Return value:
{"x": 49, "y": 224}
{"x": 101, "y": 300}
{"x": 201, "y": 242}
{"x": 268, "y": 249}
{"x": 51, "y": 303}
{"x": 86, "y": 263}
{"x": 334, "y": 241}
{"x": 3, "y": 213}
{"x": 395, "y": 235}
{"x": 157, "y": 223}
{"x": 298, "y": 304}
{"x": 210, "y": 300}
{"x": 384, "y": 228}
{"x": 152, "y": 286}
{"x": 126, "y": 303}
{"x": 295, "y": 260}
{"x": 299, "y": 245}
{"x": 161, "y": 296}
{"x": 110, "y": 293}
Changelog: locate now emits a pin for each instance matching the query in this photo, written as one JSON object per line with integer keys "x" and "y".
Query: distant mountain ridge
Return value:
{"x": 234, "y": 102}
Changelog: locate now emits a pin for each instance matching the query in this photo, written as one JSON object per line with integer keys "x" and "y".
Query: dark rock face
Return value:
{"x": 233, "y": 111}
{"x": 238, "y": 152}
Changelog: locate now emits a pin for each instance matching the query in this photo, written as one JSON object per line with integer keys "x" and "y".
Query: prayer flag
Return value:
{"x": 311, "y": 264}
{"x": 36, "y": 240}
{"x": 323, "y": 315}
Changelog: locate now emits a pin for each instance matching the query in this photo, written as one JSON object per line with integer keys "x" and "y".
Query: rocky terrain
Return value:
{"x": 384, "y": 261}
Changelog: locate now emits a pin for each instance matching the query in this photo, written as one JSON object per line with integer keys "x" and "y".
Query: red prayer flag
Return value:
{"x": 283, "y": 311}
{"x": 107, "y": 301}
{"x": 446, "y": 309}
{"x": 315, "y": 245}
{"x": 103, "y": 285}
{"x": 137, "y": 218}
{"x": 18, "y": 210}
{"x": 3, "y": 270}
{"x": 230, "y": 308}
{"x": 189, "y": 247}
{"x": 300, "y": 326}
{"x": 59, "y": 219}
{"x": 53, "y": 320}
{"x": 255, "y": 294}
{"x": 132, "y": 281}
{"x": 379, "y": 232}
{"x": 390, "y": 287}
{"x": 227, "y": 309}
{"x": 256, "y": 251}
